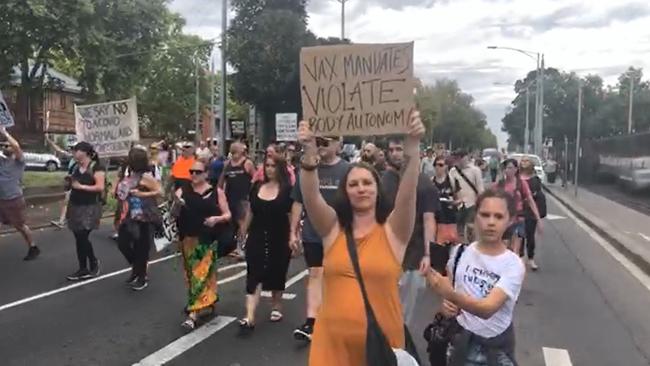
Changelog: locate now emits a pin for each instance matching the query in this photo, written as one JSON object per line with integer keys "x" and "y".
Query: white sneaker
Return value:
{"x": 533, "y": 265}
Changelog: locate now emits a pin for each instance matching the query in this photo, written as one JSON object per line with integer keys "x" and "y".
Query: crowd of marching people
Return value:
{"x": 375, "y": 233}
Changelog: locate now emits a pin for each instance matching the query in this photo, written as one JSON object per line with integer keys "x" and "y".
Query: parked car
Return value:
{"x": 48, "y": 162}
{"x": 539, "y": 166}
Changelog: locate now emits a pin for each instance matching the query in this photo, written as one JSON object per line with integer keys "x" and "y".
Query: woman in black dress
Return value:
{"x": 267, "y": 248}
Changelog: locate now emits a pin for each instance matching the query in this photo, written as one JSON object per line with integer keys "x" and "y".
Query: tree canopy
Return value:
{"x": 604, "y": 112}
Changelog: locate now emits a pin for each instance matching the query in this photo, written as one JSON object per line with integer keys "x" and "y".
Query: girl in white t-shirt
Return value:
{"x": 488, "y": 281}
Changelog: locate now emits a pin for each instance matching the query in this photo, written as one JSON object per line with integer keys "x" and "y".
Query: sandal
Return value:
{"x": 276, "y": 316}
{"x": 189, "y": 324}
{"x": 245, "y": 324}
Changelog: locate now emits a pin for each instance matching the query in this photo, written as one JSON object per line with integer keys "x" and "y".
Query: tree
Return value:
{"x": 451, "y": 117}
{"x": 264, "y": 42}
{"x": 604, "y": 109}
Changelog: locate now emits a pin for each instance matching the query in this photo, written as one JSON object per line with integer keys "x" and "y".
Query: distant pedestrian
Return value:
{"x": 236, "y": 182}
{"x": 379, "y": 239}
{"x": 87, "y": 183}
{"x": 446, "y": 216}
{"x": 267, "y": 248}
{"x": 470, "y": 181}
{"x": 551, "y": 169}
{"x": 527, "y": 173}
{"x": 203, "y": 216}
{"x": 426, "y": 166}
{"x": 216, "y": 164}
{"x": 493, "y": 165}
{"x": 12, "y": 202}
{"x": 488, "y": 281}
{"x": 274, "y": 151}
{"x": 139, "y": 214}
{"x": 181, "y": 167}
{"x": 380, "y": 162}
{"x": 368, "y": 154}
{"x": 522, "y": 196}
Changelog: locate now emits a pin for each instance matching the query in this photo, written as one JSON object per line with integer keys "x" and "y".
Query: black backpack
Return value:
{"x": 538, "y": 195}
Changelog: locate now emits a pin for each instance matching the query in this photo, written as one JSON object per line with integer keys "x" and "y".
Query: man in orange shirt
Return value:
{"x": 181, "y": 168}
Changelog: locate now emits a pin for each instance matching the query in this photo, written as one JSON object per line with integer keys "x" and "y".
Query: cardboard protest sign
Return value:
{"x": 286, "y": 126}
{"x": 110, "y": 127}
{"x": 362, "y": 89}
{"x": 6, "y": 119}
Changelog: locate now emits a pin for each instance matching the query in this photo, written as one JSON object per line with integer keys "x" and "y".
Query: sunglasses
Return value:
{"x": 196, "y": 172}
{"x": 323, "y": 142}
{"x": 441, "y": 165}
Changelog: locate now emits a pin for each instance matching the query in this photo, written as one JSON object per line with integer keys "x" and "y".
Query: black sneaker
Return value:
{"x": 303, "y": 333}
{"x": 81, "y": 274}
{"x": 132, "y": 278}
{"x": 94, "y": 269}
{"x": 32, "y": 253}
{"x": 140, "y": 284}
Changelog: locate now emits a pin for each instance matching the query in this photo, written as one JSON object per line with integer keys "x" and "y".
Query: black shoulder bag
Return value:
{"x": 469, "y": 182}
{"x": 378, "y": 350}
{"x": 441, "y": 331}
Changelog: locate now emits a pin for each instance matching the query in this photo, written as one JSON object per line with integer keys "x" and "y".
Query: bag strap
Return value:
{"x": 354, "y": 258}
{"x": 462, "y": 175}
{"x": 459, "y": 253}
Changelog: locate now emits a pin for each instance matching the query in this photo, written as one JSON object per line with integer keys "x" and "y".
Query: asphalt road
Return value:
{"x": 583, "y": 304}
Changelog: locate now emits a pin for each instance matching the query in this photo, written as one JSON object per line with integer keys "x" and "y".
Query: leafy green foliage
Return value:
{"x": 450, "y": 116}
{"x": 604, "y": 113}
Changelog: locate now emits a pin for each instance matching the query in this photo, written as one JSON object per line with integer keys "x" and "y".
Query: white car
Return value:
{"x": 539, "y": 166}
{"x": 48, "y": 162}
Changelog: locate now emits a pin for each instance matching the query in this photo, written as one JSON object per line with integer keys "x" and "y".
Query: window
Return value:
{"x": 62, "y": 101}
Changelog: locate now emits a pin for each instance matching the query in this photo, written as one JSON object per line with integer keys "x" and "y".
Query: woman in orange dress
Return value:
{"x": 381, "y": 238}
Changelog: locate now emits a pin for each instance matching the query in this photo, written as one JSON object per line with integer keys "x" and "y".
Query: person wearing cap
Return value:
{"x": 470, "y": 185}
{"x": 181, "y": 169}
{"x": 86, "y": 184}
{"x": 12, "y": 202}
{"x": 203, "y": 151}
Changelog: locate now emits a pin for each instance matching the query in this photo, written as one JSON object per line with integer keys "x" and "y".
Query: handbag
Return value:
{"x": 441, "y": 330}
{"x": 378, "y": 350}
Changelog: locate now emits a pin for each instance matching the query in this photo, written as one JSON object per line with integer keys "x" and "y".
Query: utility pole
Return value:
{"x": 197, "y": 133}
{"x": 575, "y": 179}
{"x": 629, "y": 114}
{"x": 527, "y": 131}
{"x": 224, "y": 91}
{"x": 342, "y": 18}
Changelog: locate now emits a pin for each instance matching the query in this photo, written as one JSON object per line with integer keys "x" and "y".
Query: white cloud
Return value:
{"x": 451, "y": 37}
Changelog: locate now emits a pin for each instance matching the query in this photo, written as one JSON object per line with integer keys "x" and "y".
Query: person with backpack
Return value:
{"x": 139, "y": 214}
{"x": 527, "y": 173}
{"x": 470, "y": 181}
{"x": 520, "y": 192}
{"x": 87, "y": 185}
{"x": 481, "y": 291}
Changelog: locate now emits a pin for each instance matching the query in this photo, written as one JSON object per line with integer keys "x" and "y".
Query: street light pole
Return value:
{"x": 197, "y": 135}
{"x": 526, "y": 131}
{"x": 342, "y": 18}
{"x": 224, "y": 91}
{"x": 575, "y": 178}
{"x": 629, "y": 114}
{"x": 540, "y": 129}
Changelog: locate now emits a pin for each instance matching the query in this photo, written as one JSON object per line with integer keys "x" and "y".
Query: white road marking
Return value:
{"x": 185, "y": 342}
{"x": 635, "y": 271}
{"x": 644, "y": 236}
{"x": 554, "y": 217}
{"x": 117, "y": 273}
{"x": 77, "y": 284}
{"x": 290, "y": 282}
{"x": 556, "y": 357}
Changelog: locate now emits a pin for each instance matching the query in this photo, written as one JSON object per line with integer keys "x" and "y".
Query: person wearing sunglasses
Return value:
{"x": 203, "y": 216}
{"x": 331, "y": 170}
{"x": 447, "y": 231}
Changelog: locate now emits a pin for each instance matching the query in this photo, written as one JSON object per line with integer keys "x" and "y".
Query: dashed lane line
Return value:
{"x": 556, "y": 357}
{"x": 186, "y": 342}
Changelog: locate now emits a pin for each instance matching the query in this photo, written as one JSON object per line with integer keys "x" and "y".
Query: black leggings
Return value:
{"x": 85, "y": 253}
{"x": 531, "y": 226}
{"x": 134, "y": 241}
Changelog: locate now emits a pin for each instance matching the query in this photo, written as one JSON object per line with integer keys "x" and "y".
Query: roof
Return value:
{"x": 68, "y": 83}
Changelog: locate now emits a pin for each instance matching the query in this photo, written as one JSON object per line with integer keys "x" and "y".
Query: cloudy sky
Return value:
{"x": 451, "y": 37}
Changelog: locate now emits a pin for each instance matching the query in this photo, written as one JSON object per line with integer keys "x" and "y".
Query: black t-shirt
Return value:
{"x": 79, "y": 197}
{"x": 447, "y": 212}
{"x": 427, "y": 202}
{"x": 238, "y": 182}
